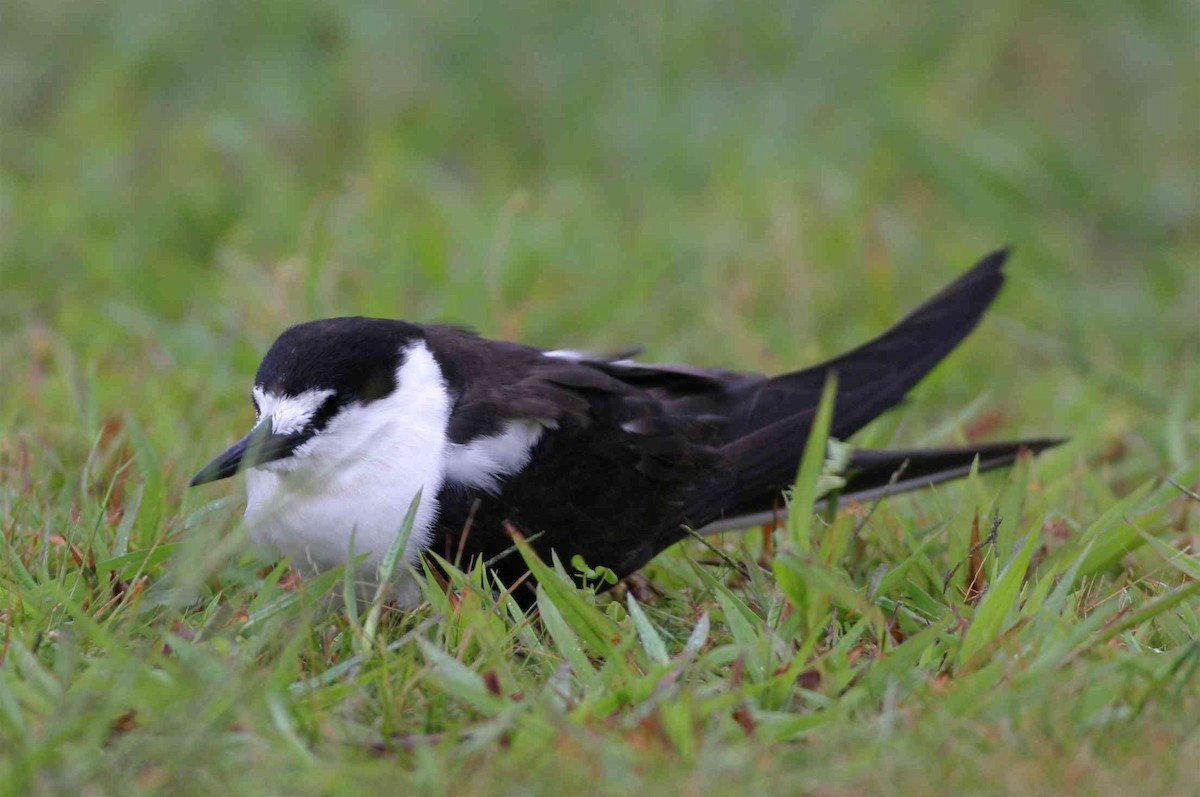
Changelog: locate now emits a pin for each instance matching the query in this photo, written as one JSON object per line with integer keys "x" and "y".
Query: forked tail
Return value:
{"x": 772, "y": 418}
{"x": 879, "y": 474}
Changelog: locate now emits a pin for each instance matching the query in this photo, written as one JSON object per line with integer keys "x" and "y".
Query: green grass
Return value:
{"x": 729, "y": 184}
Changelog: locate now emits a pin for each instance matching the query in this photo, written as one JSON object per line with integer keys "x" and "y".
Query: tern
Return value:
{"x": 604, "y": 458}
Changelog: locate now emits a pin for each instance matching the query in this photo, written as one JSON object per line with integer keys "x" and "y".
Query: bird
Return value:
{"x": 606, "y": 458}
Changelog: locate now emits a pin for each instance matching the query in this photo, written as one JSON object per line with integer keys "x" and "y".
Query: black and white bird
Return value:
{"x": 607, "y": 458}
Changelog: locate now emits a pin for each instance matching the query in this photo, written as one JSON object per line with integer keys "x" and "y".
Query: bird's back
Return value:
{"x": 654, "y": 450}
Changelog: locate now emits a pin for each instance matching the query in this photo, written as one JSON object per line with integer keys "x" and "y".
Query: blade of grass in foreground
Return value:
{"x": 804, "y": 490}
{"x": 652, "y": 642}
{"x": 592, "y": 625}
{"x": 800, "y": 515}
{"x": 387, "y": 568}
{"x": 998, "y": 602}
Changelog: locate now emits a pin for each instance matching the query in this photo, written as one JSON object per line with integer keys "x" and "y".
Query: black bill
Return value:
{"x": 260, "y": 446}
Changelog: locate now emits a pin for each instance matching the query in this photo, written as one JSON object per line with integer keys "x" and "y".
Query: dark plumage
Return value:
{"x": 644, "y": 452}
{"x": 604, "y": 458}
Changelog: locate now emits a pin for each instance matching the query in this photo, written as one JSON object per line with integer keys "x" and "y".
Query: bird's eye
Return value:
{"x": 325, "y": 412}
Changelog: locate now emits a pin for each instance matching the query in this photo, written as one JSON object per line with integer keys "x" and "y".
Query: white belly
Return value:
{"x": 317, "y": 528}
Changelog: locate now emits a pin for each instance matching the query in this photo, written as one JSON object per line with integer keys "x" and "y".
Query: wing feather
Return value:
{"x": 625, "y": 408}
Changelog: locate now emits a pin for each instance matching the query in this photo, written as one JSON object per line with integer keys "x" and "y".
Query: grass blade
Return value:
{"x": 652, "y": 643}
{"x": 998, "y": 602}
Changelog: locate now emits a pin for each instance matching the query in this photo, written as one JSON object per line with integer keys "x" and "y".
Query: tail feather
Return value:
{"x": 771, "y": 418}
{"x": 876, "y": 474}
{"x": 876, "y": 376}
{"x": 871, "y": 471}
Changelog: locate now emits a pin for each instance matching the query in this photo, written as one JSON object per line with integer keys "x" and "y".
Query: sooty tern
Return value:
{"x": 607, "y": 458}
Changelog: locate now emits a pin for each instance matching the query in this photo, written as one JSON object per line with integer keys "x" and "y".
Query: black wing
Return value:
{"x": 619, "y": 415}
{"x": 747, "y": 430}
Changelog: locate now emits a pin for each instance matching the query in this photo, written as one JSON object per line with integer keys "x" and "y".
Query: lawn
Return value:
{"x": 744, "y": 185}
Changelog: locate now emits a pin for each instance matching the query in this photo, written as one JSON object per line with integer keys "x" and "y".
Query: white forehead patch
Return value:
{"x": 289, "y": 414}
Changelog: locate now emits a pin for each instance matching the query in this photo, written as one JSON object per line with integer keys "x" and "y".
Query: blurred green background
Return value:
{"x": 750, "y": 185}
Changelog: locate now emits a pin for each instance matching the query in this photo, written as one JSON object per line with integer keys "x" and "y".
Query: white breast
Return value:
{"x": 358, "y": 476}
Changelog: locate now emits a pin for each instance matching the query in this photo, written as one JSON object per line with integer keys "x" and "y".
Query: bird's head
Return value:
{"x": 314, "y": 392}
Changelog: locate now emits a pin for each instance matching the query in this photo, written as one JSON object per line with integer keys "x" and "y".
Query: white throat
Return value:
{"x": 358, "y": 476}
